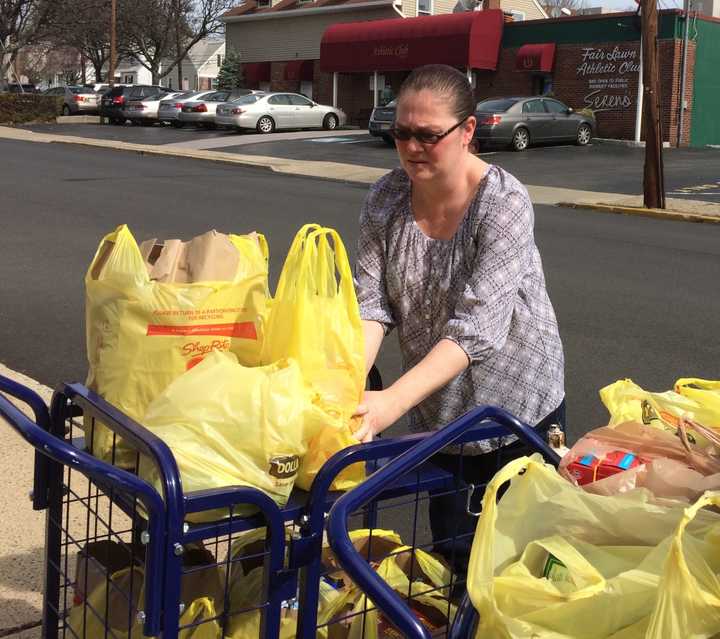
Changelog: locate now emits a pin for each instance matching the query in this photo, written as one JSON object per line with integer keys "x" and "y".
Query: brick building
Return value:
{"x": 589, "y": 61}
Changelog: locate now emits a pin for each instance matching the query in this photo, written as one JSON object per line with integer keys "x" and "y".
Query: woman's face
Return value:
{"x": 424, "y": 111}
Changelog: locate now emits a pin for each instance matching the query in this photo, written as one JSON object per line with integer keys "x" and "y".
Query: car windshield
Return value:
{"x": 392, "y": 104}
{"x": 502, "y": 104}
{"x": 247, "y": 99}
{"x": 78, "y": 90}
{"x": 184, "y": 96}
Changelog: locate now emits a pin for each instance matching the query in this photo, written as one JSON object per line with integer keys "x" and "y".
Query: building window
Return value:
{"x": 518, "y": 16}
{"x": 219, "y": 59}
{"x": 425, "y": 7}
{"x": 262, "y": 4}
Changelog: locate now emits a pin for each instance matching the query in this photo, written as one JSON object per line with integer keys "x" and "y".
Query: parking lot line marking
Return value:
{"x": 329, "y": 140}
{"x": 694, "y": 193}
{"x": 359, "y": 141}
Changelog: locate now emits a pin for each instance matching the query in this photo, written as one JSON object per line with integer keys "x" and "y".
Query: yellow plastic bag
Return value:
{"x": 143, "y": 334}
{"x": 315, "y": 319}
{"x": 688, "y": 604}
{"x": 353, "y": 616}
{"x": 626, "y": 402}
{"x": 121, "y": 601}
{"x": 706, "y": 393}
{"x": 230, "y": 425}
{"x": 615, "y": 550}
{"x": 426, "y": 601}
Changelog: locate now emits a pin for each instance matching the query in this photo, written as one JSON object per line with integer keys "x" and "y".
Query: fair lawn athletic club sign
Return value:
{"x": 611, "y": 73}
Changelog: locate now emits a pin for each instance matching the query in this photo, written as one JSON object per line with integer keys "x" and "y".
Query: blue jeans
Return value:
{"x": 452, "y": 527}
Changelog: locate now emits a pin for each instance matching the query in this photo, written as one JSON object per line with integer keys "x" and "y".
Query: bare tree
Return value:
{"x": 554, "y": 7}
{"x": 161, "y": 32}
{"x": 22, "y": 23}
{"x": 84, "y": 25}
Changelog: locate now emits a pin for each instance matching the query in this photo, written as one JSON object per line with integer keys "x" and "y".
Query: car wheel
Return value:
{"x": 584, "y": 135}
{"x": 66, "y": 110}
{"x": 117, "y": 121}
{"x": 521, "y": 139}
{"x": 265, "y": 124}
{"x": 388, "y": 140}
{"x": 177, "y": 125}
{"x": 330, "y": 122}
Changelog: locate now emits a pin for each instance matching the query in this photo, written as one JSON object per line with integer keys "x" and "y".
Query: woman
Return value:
{"x": 447, "y": 256}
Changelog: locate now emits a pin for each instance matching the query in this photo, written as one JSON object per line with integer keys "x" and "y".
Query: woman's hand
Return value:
{"x": 379, "y": 409}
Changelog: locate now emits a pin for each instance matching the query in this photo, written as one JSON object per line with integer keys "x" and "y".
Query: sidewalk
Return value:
{"x": 676, "y": 209}
{"x": 22, "y": 533}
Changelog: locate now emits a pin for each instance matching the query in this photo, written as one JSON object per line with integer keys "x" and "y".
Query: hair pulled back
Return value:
{"x": 446, "y": 82}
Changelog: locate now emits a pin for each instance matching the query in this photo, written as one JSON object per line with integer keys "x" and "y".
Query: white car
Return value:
{"x": 145, "y": 111}
{"x": 169, "y": 110}
{"x": 271, "y": 111}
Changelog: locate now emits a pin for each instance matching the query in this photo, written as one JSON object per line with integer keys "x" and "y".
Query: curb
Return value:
{"x": 299, "y": 168}
{"x": 660, "y": 214}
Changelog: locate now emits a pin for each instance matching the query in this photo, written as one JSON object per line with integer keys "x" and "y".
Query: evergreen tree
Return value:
{"x": 230, "y": 75}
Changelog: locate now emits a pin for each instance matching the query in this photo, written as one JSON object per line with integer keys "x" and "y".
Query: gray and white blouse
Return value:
{"x": 484, "y": 289}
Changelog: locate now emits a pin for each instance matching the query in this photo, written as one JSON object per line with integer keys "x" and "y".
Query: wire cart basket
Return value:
{"x": 127, "y": 559}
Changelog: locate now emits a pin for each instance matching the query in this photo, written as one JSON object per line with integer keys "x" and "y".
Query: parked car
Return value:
{"x": 201, "y": 111}
{"x": 522, "y": 121}
{"x": 15, "y": 87}
{"x": 169, "y": 110}
{"x": 267, "y": 112}
{"x": 113, "y": 101}
{"x": 98, "y": 87}
{"x": 145, "y": 111}
{"x": 381, "y": 120}
{"x": 75, "y": 99}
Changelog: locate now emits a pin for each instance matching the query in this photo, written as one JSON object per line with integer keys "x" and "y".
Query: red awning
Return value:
{"x": 256, "y": 72}
{"x": 535, "y": 57}
{"x": 469, "y": 39}
{"x": 297, "y": 70}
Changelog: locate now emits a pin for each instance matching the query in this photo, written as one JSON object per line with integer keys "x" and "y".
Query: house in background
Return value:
{"x": 199, "y": 68}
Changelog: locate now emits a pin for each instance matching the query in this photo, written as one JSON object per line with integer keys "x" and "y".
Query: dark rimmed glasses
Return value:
{"x": 403, "y": 134}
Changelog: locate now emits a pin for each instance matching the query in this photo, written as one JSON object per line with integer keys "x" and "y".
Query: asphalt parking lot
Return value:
{"x": 690, "y": 173}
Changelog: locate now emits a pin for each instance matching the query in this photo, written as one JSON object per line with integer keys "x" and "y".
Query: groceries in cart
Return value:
{"x": 551, "y": 560}
{"x": 314, "y": 318}
{"x": 233, "y": 425}
{"x": 663, "y": 447}
{"x": 245, "y": 390}
{"x": 154, "y": 311}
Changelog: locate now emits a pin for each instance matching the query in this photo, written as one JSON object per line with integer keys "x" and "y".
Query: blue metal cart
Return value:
{"x": 127, "y": 559}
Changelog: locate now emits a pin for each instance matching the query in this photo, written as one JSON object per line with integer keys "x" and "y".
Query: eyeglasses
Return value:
{"x": 424, "y": 137}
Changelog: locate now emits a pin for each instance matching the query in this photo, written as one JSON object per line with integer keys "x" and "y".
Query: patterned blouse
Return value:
{"x": 484, "y": 289}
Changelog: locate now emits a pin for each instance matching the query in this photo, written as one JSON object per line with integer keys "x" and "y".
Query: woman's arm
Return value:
{"x": 373, "y": 332}
{"x": 380, "y": 409}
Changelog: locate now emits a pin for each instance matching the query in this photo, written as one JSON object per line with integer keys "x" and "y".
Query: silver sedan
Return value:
{"x": 169, "y": 110}
{"x": 266, "y": 113}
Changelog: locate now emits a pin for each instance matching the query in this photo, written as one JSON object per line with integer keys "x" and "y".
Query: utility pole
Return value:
{"x": 653, "y": 179}
{"x": 113, "y": 42}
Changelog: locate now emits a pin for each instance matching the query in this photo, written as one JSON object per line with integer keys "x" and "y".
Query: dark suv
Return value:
{"x": 113, "y": 100}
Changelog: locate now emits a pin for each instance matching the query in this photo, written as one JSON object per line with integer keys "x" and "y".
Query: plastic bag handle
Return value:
{"x": 481, "y": 559}
{"x": 120, "y": 238}
{"x": 335, "y": 258}
{"x": 289, "y": 272}
{"x": 677, "y": 563}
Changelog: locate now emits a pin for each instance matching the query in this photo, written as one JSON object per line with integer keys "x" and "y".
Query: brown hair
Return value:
{"x": 446, "y": 82}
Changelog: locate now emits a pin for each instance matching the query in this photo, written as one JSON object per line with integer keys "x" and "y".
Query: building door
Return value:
{"x": 306, "y": 88}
